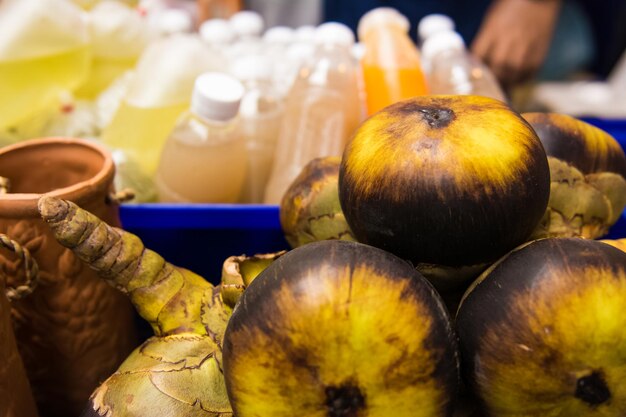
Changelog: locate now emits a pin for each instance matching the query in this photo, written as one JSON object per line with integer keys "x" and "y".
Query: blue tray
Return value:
{"x": 200, "y": 236}
{"x": 616, "y": 127}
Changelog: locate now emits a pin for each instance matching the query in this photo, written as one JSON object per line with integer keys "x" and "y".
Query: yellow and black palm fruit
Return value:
{"x": 588, "y": 177}
{"x": 310, "y": 209}
{"x": 340, "y": 329}
{"x": 450, "y": 183}
{"x": 542, "y": 331}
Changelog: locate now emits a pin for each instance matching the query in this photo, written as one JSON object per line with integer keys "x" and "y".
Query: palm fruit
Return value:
{"x": 450, "y": 183}
{"x": 310, "y": 209}
{"x": 588, "y": 177}
{"x": 340, "y": 329}
{"x": 618, "y": 243}
{"x": 542, "y": 331}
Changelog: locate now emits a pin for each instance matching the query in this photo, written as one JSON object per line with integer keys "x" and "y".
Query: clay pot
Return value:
{"x": 75, "y": 329}
{"x": 16, "y": 399}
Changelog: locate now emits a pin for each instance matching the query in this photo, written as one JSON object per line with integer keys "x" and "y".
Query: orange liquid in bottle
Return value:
{"x": 390, "y": 85}
{"x": 391, "y": 63}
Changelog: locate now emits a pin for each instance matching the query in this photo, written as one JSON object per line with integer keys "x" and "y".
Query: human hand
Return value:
{"x": 514, "y": 37}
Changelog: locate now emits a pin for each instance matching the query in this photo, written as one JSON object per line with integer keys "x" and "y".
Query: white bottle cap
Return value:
{"x": 305, "y": 33}
{"x": 442, "y": 41}
{"x": 170, "y": 21}
{"x": 300, "y": 52}
{"x": 433, "y": 23}
{"x": 333, "y": 33}
{"x": 382, "y": 16}
{"x": 279, "y": 35}
{"x": 247, "y": 23}
{"x": 216, "y": 96}
{"x": 216, "y": 31}
{"x": 252, "y": 67}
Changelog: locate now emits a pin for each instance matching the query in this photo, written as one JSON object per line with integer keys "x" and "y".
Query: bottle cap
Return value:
{"x": 382, "y": 16}
{"x": 247, "y": 23}
{"x": 216, "y": 96}
{"x": 433, "y": 23}
{"x": 333, "y": 33}
{"x": 216, "y": 31}
{"x": 252, "y": 67}
{"x": 279, "y": 35}
{"x": 170, "y": 21}
{"x": 300, "y": 52}
{"x": 442, "y": 41}
{"x": 305, "y": 34}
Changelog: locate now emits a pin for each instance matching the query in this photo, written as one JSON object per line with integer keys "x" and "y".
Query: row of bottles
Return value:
{"x": 229, "y": 122}
{"x": 304, "y": 91}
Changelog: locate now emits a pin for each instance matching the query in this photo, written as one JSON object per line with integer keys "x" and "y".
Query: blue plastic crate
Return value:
{"x": 615, "y": 127}
{"x": 200, "y": 237}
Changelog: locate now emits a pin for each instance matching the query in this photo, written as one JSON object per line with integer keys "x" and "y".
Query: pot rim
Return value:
{"x": 79, "y": 192}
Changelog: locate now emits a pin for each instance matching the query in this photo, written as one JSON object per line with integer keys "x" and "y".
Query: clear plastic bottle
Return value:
{"x": 261, "y": 112}
{"x": 247, "y": 27}
{"x": 427, "y": 27}
{"x": 454, "y": 70}
{"x": 204, "y": 158}
{"x": 433, "y": 23}
{"x": 44, "y": 50}
{"x": 157, "y": 95}
{"x": 322, "y": 109}
{"x": 119, "y": 34}
{"x": 391, "y": 64}
{"x": 170, "y": 21}
{"x": 276, "y": 42}
{"x": 218, "y": 35}
{"x": 247, "y": 24}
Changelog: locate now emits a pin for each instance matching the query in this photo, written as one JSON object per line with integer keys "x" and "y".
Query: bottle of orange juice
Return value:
{"x": 391, "y": 64}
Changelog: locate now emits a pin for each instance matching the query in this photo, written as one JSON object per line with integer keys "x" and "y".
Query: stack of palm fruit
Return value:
{"x": 445, "y": 265}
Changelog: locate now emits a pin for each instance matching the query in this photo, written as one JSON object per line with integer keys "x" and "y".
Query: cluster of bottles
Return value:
{"x": 230, "y": 113}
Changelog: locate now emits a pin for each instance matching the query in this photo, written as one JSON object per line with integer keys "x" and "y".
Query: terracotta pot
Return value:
{"x": 16, "y": 398}
{"x": 75, "y": 329}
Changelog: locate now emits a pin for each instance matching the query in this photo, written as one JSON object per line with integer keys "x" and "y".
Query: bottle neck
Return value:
{"x": 198, "y": 117}
{"x": 386, "y": 30}
{"x": 447, "y": 54}
{"x": 330, "y": 48}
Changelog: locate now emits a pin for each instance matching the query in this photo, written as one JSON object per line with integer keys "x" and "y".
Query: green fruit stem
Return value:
{"x": 168, "y": 297}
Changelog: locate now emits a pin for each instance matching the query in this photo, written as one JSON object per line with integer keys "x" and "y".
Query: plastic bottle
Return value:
{"x": 247, "y": 24}
{"x": 170, "y": 21}
{"x": 247, "y": 27}
{"x": 44, "y": 50}
{"x": 261, "y": 112}
{"x": 119, "y": 34}
{"x": 455, "y": 71}
{"x": 157, "y": 95}
{"x": 433, "y": 23}
{"x": 322, "y": 109}
{"x": 391, "y": 64}
{"x": 204, "y": 158}
{"x": 305, "y": 34}
{"x": 427, "y": 27}
{"x": 276, "y": 43}
{"x": 218, "y": 35}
